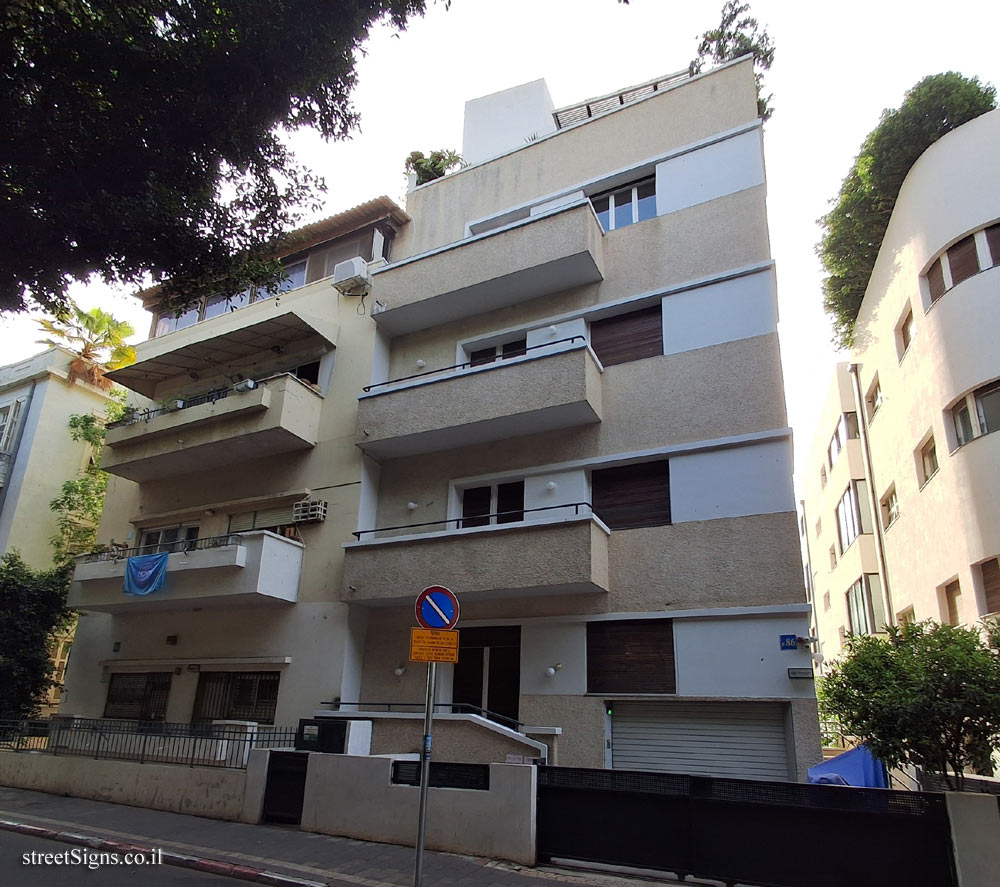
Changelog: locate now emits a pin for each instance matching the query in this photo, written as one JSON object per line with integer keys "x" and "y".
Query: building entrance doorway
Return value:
{"x": 488, "y": 672}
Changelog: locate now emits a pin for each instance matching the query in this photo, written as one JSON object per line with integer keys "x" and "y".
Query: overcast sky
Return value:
{"x": 837, "y": 66}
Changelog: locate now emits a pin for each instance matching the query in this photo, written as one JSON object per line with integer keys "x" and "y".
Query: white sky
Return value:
{"x": 837, "y": 66}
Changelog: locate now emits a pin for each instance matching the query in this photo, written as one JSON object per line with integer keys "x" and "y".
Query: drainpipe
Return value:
{"x": 22, "y": 422}
{"x": 883, "y": 570}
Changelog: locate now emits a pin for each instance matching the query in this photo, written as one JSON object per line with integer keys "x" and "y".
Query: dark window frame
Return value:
{"x": 631, "y": 656}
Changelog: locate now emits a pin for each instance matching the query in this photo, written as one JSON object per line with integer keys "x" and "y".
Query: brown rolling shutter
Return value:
{"x": 627, "y": 337}
{"x": 963, "y": 260}
{"x": 633, "y": 495}
{"x": 993, "y": 239}
{"x": 991, "y": 584}
{"x": 935, "y": 280}
{"x": 631, "y": 656}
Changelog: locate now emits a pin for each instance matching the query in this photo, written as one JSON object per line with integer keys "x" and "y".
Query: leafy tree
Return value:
{"x": 145, "y": 137}
{"x": 80, "y": 501}
{"x": 32, "y": 605}
{"x": 927, "y": 695}
{"x": 737, "y": 35}
{"x": 854, "y": 228}
{"x": 434, "y": 167}
{"x": 97, "y": 340}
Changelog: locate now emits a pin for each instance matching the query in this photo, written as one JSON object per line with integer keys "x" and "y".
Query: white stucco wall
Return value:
{"x": 503, "y": 120}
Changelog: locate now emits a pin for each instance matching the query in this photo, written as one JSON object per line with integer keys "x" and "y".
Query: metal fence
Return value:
{"x": 220, "y": 744}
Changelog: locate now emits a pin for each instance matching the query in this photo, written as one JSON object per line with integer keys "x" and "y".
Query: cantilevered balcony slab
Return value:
{"x": 280, "y": 415}
{"x": 507, "y": 561}
{"x": 535, "y": 257}
{"x": 258, "y": 568}
{"x": 526, "y": 395}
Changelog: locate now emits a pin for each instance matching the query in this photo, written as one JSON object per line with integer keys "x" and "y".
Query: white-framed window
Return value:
{"x": 852, "y": 517}
{"x": 627, "y": 205}
{"x": 906, "y": 330}
{"x": 927, "y": 460}
{"x": 977, "y": 413}
{"x": 873, "y": 399}
{"x": 951, "y": 596}
{"x": 890, "y": 507}
{"x": 864, "y": 605}
{"x": 500, "y": 351}
{"x": 495, "y": 503}
{"x": 178, "y": 537}
{"x": 975, "y": 252}
{"x": 833, "y": 557}
{"x": 847, "y": 429}
{"x": 9, "y": 414}
{"x": 822, "y": 477}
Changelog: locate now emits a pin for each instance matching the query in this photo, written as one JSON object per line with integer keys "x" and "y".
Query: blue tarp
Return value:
{"x": 856, "y": 767}
{"x": 146, "y": 573}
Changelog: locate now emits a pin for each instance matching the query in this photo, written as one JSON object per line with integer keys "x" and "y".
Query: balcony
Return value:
{"x": 278, "y": 415}
{"x": 540, "y": 255}
{"x": 526, "y": 559}
{"x": 541, "y": 391}
{"x": 249, "y": 569}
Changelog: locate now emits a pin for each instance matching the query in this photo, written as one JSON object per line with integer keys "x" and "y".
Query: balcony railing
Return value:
{"x": 208, "y": 397}
{"x": 470, "y": 363}
{"x": 115, "y": 553}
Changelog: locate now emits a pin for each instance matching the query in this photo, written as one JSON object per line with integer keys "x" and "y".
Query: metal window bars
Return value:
{"x": 181, "y": 545}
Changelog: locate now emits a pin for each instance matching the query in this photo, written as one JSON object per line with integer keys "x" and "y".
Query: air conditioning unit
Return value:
{"x": 245, "y": 385}
{"x": 309, "y": 512}
{"x": 351, "y": 277}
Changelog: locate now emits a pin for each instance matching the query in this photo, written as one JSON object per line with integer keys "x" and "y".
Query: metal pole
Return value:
{"x": 425, "y": 771}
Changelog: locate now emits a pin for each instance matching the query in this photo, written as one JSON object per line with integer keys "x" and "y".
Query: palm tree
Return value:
{"x": 97, "y": 340}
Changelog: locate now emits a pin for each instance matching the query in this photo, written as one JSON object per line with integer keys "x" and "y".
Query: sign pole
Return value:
{"x": 425, "y": 772}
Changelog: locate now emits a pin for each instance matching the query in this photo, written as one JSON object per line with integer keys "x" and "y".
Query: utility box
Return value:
{"x": 322, "y": 734}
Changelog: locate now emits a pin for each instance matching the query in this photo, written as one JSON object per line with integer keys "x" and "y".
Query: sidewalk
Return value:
{"x": 342, "y": 862}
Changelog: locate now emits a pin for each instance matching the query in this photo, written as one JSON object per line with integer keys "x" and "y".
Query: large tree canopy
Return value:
{"x": 854, "y": 228}
{"x": 145, "y": 137}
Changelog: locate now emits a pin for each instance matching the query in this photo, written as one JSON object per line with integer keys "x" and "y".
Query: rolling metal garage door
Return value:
{"x": 745, "y": 740}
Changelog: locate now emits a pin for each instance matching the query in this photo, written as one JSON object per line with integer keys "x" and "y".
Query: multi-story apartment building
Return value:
{"x": 37, "y": 453}
{"x": 903, "y": 481}
{"x": 563, "y": 400}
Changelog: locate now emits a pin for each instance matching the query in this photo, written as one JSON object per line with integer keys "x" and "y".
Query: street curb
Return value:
{"x": 200, "y": 864}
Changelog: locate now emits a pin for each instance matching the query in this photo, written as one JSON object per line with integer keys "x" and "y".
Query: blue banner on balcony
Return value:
{"x": 146, "y": 573}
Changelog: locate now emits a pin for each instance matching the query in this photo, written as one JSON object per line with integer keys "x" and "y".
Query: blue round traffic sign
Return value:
{"x": 437, "y": 607}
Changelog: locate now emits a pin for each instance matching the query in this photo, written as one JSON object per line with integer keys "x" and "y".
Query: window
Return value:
{"x": 138, "y": 697}
{"x": 493, "y": 504}
{"x": 935, "y": 280}
{"x": 833, "y": 557}
{"x": 906, "y": 617}
{"x": 977, "y": 413}
{"x": 234, "y": 695}
{"x": 993, "y": 241}
{"x": 822, "y": 478}
{"x": 847, "y": 519}
{"x": 631, "y": 656}
{"x": 928, "y": 461}
{"x": 833, "y": 449}
{"x": 9, "y": 414}
{"x": 847, "y": 429}
{"x": 890, "y": 507}
{"x": 873, "y": 400}
{"x": 627, "y": 337}
{"x": 826, "y": 601}
{"x": 950, "y": 610}
{"x": 962, "y": 260}
{"x": 503, "y": 351}
{"x": 626, "y": 206}
{"x": 176, "y": 538}
{"x": 906, "y": 331}
{"x": 864, "y": 605}
{"x": 278, "y": 520}
{"x": 632, "y": 496}
{"x": 819, "y": 525}
{"x": 990, "y": 571}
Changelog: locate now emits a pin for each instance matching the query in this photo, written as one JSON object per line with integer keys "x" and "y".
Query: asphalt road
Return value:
{"x": 14, "y": 873}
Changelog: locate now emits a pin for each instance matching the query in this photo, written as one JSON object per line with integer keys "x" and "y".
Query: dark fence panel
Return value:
{"x": 443, "y": 775}
{"x": 772, "y": 834}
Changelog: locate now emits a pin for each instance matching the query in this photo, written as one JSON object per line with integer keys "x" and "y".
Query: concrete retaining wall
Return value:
{"x": 354, "y": 797}
{"x": 215, "y": 792}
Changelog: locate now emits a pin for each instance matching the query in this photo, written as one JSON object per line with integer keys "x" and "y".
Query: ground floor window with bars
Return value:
{"x": 138, "y": 696}
{"x": 237, "y": 696}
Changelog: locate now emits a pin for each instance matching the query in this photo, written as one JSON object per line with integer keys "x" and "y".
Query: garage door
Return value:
{"x": 744, "y": 740}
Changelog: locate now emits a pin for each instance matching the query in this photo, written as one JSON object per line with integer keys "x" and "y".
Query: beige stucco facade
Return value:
{"x": 474, "y": 363}
{"x": 922, "y": 355}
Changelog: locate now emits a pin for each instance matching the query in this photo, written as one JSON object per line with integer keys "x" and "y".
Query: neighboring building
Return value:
{"x": 37, "y": 453}
{"x": 922, "y": 398}
{"x": 562, "y": 399}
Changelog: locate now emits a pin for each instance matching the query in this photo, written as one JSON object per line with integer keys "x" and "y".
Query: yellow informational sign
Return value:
{"x": 432, "y": 645}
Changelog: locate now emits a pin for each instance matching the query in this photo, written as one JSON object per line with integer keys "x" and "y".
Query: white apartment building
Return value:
{"x": 902, "y": 487}
{"x": 561, "y": 398}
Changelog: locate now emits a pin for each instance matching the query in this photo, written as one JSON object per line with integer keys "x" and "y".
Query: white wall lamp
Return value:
{"x": 399, "y": 670}
{"x": 412, "y": 506}
{"x": 551, "y": 486}
{"x": 421, "y": 364}
{"x": 550, "y": 672}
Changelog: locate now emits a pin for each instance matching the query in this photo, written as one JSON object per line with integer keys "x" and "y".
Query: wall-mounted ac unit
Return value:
{"x": 245, "y": 385}
{"x": 351, "y": 277}
{"x": 309, "y": 512}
